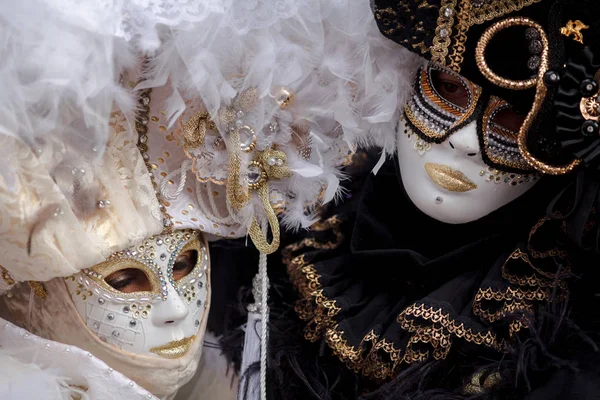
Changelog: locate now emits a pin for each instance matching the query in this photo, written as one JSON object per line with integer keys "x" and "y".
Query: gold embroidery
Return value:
{"x": 460, "y": 38}
{"x": 495, "y": 9}
{"x": 574, "y": 28}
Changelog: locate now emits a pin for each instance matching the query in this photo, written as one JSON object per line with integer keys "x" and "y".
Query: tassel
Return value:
{"x": 256, "y": 338}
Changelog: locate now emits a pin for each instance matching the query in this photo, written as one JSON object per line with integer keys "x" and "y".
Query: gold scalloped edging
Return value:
{"x": 378, "y": 358}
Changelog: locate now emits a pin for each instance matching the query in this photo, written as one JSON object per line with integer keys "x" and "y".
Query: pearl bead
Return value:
{"x": 284, "y": 97}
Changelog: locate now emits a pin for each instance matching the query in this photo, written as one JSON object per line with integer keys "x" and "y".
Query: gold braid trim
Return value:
{"x": 236, "y": 195}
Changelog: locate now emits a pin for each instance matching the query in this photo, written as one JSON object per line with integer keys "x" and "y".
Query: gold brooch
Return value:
{"x": 574, "y": 28}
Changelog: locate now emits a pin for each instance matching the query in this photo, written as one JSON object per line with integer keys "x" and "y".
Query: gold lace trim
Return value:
{"x": 332, "y": 223}
{"x": 555, "y": 252}
{"x": 460, "y": 38}
{"x": 495, "y": 9}
{"x": 431, "y": 329}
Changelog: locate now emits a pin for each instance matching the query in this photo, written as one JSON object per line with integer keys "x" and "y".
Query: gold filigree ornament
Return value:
{"x": 574, "y": 28}
{"x": 537, "y": 82}
{"x": 590, "y": 107}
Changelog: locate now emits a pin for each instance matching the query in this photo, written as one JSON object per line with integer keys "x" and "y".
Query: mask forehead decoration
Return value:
{"x": 149, "y": 299}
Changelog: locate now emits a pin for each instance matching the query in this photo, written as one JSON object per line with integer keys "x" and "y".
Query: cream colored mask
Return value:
{"x": 459, "y": 158}
{"x": 150, "y": 299}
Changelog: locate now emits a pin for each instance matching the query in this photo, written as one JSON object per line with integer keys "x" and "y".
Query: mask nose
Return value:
{"x": 465, "y": 141}
{"x": 170, "y": 311}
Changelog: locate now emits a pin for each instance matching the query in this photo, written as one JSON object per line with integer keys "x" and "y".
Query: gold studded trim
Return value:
{"x": 443, "y": 32}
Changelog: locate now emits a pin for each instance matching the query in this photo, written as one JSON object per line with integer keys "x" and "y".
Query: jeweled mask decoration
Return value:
{"x": 457, "y": 148}
{"x": 150, "y": 299}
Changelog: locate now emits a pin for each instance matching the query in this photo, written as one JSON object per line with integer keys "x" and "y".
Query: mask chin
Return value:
{"x": 449, "y": 181}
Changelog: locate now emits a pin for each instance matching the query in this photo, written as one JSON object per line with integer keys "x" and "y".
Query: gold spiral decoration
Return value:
{"x": 537, "y": 82}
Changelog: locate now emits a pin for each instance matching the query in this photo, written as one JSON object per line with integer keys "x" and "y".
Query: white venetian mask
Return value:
{"x": 150, "y": 299}
{"x": 458, "y": 157}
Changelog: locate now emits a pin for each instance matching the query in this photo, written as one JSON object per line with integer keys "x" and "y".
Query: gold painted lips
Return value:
{"x": 174, "y": 349}
{"x": 448, "y": 178}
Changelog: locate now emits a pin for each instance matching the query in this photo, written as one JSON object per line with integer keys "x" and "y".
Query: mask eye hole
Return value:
{"x": 129, "y": 280}
{"x": 509, "y": 120}
{"x": 451, "y": 88}
{"x": 184, "y": 264}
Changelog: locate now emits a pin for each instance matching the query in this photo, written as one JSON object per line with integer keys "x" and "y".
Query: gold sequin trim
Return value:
{"x": 141, "y": 126}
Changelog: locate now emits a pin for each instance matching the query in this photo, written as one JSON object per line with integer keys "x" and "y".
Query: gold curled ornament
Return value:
{"x": 537, "y": 82}
{"x": 268, "y": 164}
{"x": 574, "y": 28}
{"x": 194, "y": 131}
{"x": 272, "y": 163}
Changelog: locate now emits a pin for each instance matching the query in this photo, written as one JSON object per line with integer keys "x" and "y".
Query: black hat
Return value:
{"x": 540, "y": 56}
